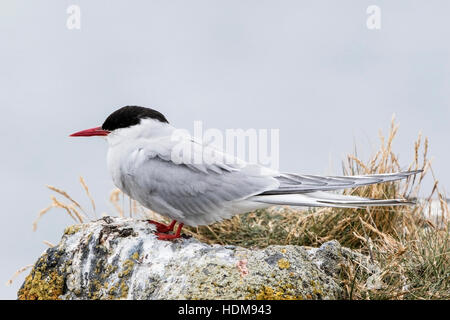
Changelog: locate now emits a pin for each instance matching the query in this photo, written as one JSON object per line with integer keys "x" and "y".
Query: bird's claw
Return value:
{"x": 165, "y": 236}
{"x": 161, "y": 227}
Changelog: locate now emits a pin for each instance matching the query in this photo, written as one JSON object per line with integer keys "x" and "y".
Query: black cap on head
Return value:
{"x": 129, "y": 116}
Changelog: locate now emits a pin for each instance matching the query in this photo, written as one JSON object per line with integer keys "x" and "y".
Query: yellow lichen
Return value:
{"x": 127, "y": 267}
{"x": 94, "y": 290}
{"x": 283, "y": 264}
{"x": 124, "y": 290}
{"x": 99, "y": 265}
{"x": 316, "y": 288}
{"x": 279, "y": 293}
{"x": 112, "y": 291}
{"x": 72, "y": 229}
{"x": 135, "y": 256}
{"x": 42, "y": 285}
{"x": 108, "y": 271}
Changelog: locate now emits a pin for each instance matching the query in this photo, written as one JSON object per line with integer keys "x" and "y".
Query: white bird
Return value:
{"x": 152, "y": 163}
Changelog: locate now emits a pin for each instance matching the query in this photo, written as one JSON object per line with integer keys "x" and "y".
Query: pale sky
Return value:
{"x": 311, "y": 69}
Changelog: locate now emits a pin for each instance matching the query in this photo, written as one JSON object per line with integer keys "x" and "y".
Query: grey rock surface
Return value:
{"x": 114, "y": 258}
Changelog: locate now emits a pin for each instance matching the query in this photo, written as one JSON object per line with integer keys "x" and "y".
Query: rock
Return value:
{"x": 114, "y": 258}
{"x": 330, "y": 257}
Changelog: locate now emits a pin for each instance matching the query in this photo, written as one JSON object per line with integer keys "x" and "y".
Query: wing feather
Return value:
{"x": 196, "y": 193}
{"x": 295, "y": 183}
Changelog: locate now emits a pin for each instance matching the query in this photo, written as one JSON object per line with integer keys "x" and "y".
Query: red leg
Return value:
{"x": 161, "y": 227}
{"x": 165, "y": 236}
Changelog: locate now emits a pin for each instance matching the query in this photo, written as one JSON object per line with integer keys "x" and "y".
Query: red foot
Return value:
{"x": 161, "y": 227}
{"x": 165, "y": 236}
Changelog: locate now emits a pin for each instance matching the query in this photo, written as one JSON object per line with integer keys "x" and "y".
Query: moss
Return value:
{"x": 283, "y": 264}
{"x": 42, "y": 283}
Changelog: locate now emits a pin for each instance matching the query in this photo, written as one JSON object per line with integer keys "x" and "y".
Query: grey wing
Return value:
{"x": 295, "y": 183}
{"x": 194, "y": 194}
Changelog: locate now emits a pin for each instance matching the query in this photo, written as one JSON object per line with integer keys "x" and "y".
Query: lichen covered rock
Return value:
{"x": 115, "y": 258}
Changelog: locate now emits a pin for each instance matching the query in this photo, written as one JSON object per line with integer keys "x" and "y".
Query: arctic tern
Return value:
{"x": 149, "y": 162}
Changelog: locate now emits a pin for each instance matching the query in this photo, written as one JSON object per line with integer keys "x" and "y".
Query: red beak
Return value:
{"x": 98, "y": 131}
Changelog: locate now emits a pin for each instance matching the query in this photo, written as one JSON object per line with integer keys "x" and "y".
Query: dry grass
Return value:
{"x": 410, "y": 248}
{"x": 17, "y": 273}
{"x": 114, "y": 198}
{"x": 72, "y": 207}
{"x": 86, "y": 189}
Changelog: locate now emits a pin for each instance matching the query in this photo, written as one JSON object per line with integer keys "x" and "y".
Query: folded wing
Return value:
{"x": 295, "y": 183}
